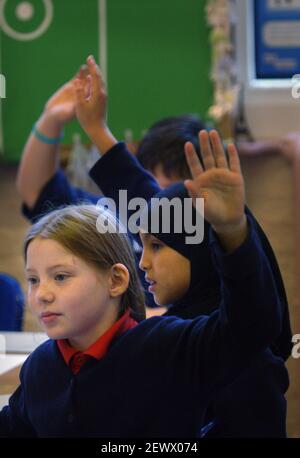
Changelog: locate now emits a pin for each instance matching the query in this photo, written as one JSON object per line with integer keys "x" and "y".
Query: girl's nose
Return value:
{"x": 44, "y": 294}
{"x": 144, "y": 261}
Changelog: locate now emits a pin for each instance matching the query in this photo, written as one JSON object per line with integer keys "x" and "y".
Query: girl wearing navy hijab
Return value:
{"x": 254, "y": 405}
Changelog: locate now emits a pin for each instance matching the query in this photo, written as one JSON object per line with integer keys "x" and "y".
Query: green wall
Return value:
{"x": 158, "y": 61}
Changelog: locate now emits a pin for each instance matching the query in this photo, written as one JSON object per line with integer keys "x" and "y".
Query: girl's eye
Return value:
{"x": 156, "y": 246}
{"x": 32, "y": 280}
{"x": 61, "y": 277}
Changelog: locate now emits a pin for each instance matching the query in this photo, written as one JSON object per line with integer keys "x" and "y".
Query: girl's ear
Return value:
{"x": 119, "y": 279}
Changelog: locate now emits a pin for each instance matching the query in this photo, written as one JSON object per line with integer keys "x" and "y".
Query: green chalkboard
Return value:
{"x": 158, "y": 61}
{"x": 156, "y": 57}
{"x": 35, "y": 68}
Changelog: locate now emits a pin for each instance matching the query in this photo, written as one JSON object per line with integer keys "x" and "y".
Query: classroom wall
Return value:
{"x": 270, "y": 188}
{"x": 156, "y": 55}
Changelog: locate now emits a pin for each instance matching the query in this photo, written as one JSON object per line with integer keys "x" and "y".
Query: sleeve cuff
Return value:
{"x": 119, "y": 169}
{"x": 103, "y": 165}
{"x": 46, "y": 198}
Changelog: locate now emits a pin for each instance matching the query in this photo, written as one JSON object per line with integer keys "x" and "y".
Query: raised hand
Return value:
{"x": 219, "y": 182}
{"x": 90, "y": 107}
{"x": 91, "y": 98}
{"x": 61, "y": 106}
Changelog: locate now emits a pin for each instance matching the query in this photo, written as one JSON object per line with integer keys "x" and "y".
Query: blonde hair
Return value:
{"x": 81, "y": 231}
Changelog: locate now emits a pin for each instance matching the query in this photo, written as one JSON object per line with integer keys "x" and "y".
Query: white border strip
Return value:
{"x": 103, "y": 39}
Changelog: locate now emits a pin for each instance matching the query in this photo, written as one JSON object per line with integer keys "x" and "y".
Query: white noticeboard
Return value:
{"x": 268, "y": 51}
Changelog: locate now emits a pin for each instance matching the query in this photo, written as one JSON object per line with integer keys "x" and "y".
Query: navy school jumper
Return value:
{"x": 158, "y": 378}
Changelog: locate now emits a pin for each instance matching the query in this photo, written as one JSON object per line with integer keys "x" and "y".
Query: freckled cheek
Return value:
{"x": 31, "y": 299}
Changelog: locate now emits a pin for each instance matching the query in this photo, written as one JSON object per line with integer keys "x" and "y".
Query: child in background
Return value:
{"x": 102, "y": 374}
{"x": 254, "y": 406}
{"x": 161, "y": 150}
{"x": 12, "y": 303}
{"x": 41, "y": 183}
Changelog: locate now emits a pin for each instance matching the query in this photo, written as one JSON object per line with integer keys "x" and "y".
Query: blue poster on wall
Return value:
{"x": 277, "y": 38}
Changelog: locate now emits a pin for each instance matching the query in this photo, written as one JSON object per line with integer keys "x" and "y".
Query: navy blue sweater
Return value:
{"x": 158, "y": 378}
{"x": 56, "y": 193}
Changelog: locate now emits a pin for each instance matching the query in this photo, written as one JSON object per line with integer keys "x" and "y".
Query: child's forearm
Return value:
{"x": 250, "y": 298}
{"x": 39, "y": 160}
{"x": 102, "y": 137}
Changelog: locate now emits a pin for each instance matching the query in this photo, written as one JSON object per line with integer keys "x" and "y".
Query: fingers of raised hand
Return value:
{"x": 83, "y": 86}
{"x": 80, "y": 90}
{"x": 97, "y": 79}
{"x": 234, "y": 161}
{"x": 83, "y": 72}
{"x": 192, "y": 160}
{"x": 189, "y": 185}
{"x": 218, "y": 150}
{"x": 206, "y": 150}
{"x": 213, "y": 153}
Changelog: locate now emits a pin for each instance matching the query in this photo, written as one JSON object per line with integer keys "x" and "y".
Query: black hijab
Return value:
{"x": 203, "y": 295}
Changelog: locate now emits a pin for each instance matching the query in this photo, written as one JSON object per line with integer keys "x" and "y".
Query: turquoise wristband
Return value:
{"x": 43, "y": 138}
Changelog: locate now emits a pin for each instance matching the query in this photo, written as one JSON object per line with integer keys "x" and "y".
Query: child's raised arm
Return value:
{"x": 91, "y": 101}
{"x": 221, "y": 184}
{"x": 40, "y": 157}
{"x": 119, "y": 169}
